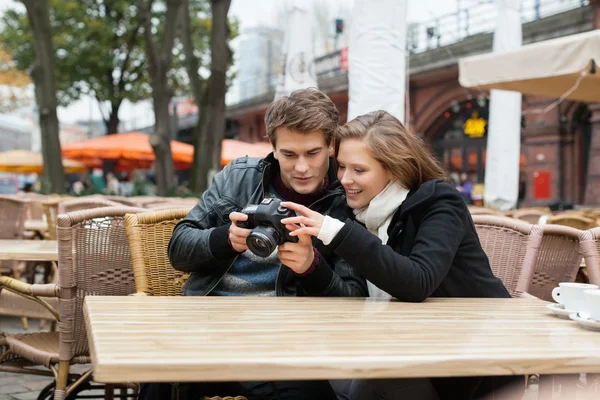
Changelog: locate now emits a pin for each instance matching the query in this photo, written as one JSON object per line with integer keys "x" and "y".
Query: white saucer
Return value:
{"x": 584, "y": 320}
{"x": 559, "y": 310}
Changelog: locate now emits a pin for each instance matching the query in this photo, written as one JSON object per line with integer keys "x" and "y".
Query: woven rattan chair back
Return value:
{"x": 531, "y": 216}
{"x": 149, "y": 234}
{"x": 558, "y": 260}
{"x": 94, "y": 259}
{"x": 511, "y": 246}
{"x": 573, "y": 220}
{"x": 13, "y": 212}
{"x": 86, "y": 203}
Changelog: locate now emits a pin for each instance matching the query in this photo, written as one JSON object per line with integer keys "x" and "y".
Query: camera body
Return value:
{"x": 267, "y": 230}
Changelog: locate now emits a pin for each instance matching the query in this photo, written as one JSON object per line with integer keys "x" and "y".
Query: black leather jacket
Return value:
{"x": 199, "y": 242}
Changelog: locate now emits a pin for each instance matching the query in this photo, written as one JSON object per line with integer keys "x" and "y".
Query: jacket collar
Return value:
{"x": 270, "y": 167}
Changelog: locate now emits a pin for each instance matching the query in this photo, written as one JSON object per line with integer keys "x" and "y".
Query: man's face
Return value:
{"x": 303, "y": 159}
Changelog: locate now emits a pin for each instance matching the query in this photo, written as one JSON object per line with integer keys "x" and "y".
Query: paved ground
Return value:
{"x": 19, "y": 386}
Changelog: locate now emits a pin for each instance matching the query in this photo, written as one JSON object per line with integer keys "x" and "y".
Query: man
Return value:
{"x": 210, "y": 244}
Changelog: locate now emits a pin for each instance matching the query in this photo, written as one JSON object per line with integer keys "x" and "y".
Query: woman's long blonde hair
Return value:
{"x": 397, "y": 150}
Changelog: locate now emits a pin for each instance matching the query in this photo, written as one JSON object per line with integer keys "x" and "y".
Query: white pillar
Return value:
{"x": 298, "y": 57}
{"x": 504, "y": 131}
{"x": 377, "y": 57}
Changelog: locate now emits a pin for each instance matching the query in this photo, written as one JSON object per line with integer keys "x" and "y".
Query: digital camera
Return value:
{"x": 267, "y": 230}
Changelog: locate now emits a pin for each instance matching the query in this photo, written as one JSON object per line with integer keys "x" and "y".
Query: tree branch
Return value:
{"x": 192, "y": 62}
{"x": 173, "y": 13}
{"x": 130, "y": 45}
{"x": 105, "y": 119}
{"x": 144, "y": 10}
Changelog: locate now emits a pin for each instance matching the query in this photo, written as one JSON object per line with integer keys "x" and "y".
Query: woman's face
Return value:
{"x": 362, "y": 176}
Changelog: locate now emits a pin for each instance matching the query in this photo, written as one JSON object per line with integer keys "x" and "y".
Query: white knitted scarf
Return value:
{"x": 377, "y": 216}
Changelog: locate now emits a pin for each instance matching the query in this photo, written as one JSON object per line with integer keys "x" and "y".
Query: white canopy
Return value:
{"x": 551, "y": 68}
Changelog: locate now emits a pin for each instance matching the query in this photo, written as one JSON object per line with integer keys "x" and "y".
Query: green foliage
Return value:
{"x": 97, "y": 49}
{"x": 100, "y": 47}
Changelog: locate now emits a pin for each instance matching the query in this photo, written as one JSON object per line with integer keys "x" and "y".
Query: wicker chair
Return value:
{"x": 477, "y": 210}
{"x": 531, "y": 216}
{"x": 512, "y": 247}
{"x": 179, "y": 203}
{"x": 87, "y": 203}
{"x": 51, "y": 212}
{"x": 126, "y": 201}
{"x": 149, "y": 234}
{"x": 589, "y": 242}
{"x": 36, "y": 200}
{"x": 145, "y": 201}
{"x": 558, "y": 260}
{"x": 13, "y": 212}
{"x": 94, "y": 259}
{"x": 574, "y": 220}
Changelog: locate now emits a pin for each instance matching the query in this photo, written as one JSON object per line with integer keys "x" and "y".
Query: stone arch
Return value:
{"x": 438, "y": 103}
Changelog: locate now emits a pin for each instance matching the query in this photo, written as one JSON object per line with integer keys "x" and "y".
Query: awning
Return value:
{"x": 232, "y": 149}
{"x": 130, "y": 150}
{"x": 551, "y": 68}
{"x": 29, "y": 162}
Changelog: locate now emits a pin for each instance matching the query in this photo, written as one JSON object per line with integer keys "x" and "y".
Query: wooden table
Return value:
{"x": 158, "y": 339}
{"x": 29, "y": 250}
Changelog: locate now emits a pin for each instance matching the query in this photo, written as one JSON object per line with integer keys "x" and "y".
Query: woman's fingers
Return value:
{"x": 306, "y": 230}
{"x": 298, "y": 208}
{"x": 298, "y": 221}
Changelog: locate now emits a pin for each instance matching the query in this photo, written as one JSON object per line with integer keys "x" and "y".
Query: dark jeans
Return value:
{"x": 385, "y": 389}
{"x": 280, "y": 390}
{"x": 496, "y": 388}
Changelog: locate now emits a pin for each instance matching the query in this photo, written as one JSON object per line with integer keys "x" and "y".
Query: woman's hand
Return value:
{"x": 310, "y": 221}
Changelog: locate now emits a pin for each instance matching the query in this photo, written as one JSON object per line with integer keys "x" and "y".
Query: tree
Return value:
{"x": 209, "y": 132}
{"x": 159, "y": 53}
{"x": 99, "y": 52}
{"x": 45, "y": 92}
{"x": 13, "y": 83}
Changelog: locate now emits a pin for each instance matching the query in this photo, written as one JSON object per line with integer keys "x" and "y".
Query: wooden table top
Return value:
{"x": 29, "y": 250}
{"x": 37, "y": 225}
{"x": 159, "y": 339}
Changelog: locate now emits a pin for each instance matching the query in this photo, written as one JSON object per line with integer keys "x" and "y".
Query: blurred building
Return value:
{"x": 259, "y": 61}
{"x": 93, "y": 128}
{"x": 15, "y": 133}
{"x": 556, "y": 156}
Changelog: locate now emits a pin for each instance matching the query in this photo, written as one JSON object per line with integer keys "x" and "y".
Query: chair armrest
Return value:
{"x": 36, "y": 290}
{"x": 32, "y": 292}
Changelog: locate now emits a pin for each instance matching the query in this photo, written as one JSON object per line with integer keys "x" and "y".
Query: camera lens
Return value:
{"x": 262, "y": 241}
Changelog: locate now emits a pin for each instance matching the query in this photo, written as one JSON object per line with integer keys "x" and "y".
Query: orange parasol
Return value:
{"x": 131, "y": 150}
{"x": 27, "y": 162}
{"x": 232, "y": 149}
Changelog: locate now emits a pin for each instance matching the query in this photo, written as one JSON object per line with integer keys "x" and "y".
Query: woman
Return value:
{"x": 400, "y": 199}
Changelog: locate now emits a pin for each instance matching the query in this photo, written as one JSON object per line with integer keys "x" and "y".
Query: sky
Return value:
{"x": 250, "y": 13}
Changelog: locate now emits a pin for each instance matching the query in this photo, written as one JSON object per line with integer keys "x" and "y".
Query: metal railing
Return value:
{"x": 474, "y": 17}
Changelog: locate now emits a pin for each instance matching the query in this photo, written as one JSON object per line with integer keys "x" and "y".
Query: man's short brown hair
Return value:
{"x": 304, "y": 111}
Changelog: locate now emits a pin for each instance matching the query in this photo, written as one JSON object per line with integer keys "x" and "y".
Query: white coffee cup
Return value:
{"x": 592, "y": 300}
{"x": 571, "y": 295}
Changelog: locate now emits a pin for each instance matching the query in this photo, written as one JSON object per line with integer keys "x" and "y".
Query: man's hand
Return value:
{"x": 237, "y": 235}
{"x": 297, "y": 256}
